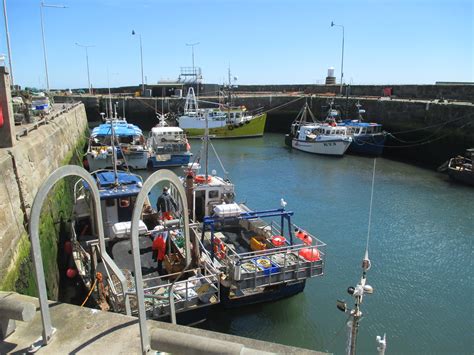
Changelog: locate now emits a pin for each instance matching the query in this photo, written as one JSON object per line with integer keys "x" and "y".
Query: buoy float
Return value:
{"x": 201, "y": 179}
{"x": 68, "y": 247}
{"x": 71, "y": 273}
{"x": 278, "y": 240}
{"x": 310, "y": 254}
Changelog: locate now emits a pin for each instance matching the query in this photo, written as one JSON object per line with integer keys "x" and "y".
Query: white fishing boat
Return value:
{"x": 315, "y": 137}
{"x": 168, "y": 146}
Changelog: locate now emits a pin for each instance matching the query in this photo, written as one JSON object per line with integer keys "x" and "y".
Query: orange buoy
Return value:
{"x": 278, "y": 240}
{"x": 310, "y": 254}
{"x": 201, "y": 179}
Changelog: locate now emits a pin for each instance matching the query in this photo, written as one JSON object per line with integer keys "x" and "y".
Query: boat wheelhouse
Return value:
{"x": 117, "y": 134}
{"x": 168, "y": 147}
{"x": 188, "y": 289}
{"x": 315, "y": 137}
{"x": 225, "y": 122}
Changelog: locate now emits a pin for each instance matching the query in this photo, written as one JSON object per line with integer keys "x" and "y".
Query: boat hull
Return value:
{"x": 463, "y": 176}
{"x": 367, "y": 144}
{"x": 335, "y": 147}
{"x": 252, "y": 128}
{"x": 161, "y": 161}
{"x": 135, "y": 161}
{"x": 268, "y": 295}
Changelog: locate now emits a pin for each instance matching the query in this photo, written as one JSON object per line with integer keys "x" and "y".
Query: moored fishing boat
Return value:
{"x": 315, "y": 137}
{"x": 262, "y": 254}
{"x": 461, "y": 168}
{"x": 119, "y": 135}
{"x": 168, "y": 146}
{"x": 367, "y": 138}
{"x": 224, "y": 122}
{"x": 107, "y": 271}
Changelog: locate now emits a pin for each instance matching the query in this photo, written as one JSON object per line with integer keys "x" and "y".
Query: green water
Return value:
{"x": 421, "y": 248}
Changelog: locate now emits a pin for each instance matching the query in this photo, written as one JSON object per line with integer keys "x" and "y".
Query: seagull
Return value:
{"x": 283, "y": 203}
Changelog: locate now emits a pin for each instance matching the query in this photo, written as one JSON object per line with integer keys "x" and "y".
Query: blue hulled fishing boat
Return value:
{"x": 367, "y": 138}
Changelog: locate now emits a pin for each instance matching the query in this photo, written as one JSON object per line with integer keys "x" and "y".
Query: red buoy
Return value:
{"x": 71, "y": 273}
{"x": 68, "y": 247}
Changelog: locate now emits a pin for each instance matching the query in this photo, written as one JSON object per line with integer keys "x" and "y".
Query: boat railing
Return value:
{"x": 194, "y": 292}
{"x": 276, "y": 265}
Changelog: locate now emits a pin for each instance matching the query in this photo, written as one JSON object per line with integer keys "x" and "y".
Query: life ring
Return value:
{"x": 219, "y": 249}
{"x": 278, "y": 240}
{"x": 310, "y": 254}
{"x": 200, "y": 179}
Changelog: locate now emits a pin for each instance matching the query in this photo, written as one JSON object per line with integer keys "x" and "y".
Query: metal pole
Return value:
{"x": 141, "y": 57}
{"x": 194, "y": 70}
{"x": 44, "y": 48}
{"x": 87, "y": 62}
{"x": 8, "y": 42}
{"x": 342, "y": 55}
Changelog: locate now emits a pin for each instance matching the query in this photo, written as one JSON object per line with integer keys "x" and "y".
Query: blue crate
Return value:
{"x": 274, "y": 268}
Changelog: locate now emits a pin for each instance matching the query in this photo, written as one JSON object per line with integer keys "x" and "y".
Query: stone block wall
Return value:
{"x": 23, "y": 169}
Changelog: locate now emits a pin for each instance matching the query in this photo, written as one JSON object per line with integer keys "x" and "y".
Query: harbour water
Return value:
{"x": 421, "y": 247}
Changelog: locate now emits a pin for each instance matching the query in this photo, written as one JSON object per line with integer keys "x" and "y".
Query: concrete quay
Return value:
{"x": 90, "y": 331}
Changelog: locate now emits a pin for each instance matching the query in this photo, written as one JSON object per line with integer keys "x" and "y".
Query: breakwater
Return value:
{"x": 23, "y": 168}
{"x": 425, "y": 132}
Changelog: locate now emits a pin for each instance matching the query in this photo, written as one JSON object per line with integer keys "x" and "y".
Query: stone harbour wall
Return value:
{"x": 23, "y": 168}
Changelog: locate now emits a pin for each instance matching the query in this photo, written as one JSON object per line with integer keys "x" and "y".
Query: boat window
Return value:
{"x": 364, "y": 130}
{"x": 214, "y": 194}
{"x": 109, "y": 202}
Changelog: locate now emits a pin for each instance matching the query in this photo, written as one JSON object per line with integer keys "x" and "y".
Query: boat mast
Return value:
{"x": 206, "y": 143}
{"x": 114, "y": 152}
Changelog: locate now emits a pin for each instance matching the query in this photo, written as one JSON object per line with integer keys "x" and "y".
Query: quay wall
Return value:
{"x": 425, "y": 132}
{"x": 458, "y": 92}
{"x": 23, "y": 168}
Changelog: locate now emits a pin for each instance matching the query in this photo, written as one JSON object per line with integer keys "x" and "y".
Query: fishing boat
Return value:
{"x": 107, "y": 270}
{"x": 316, "y": 137}
{"x": 262, "y": 255}
{"x": 460, "y": 168}
{"x": 367, "y": 138}
{"x": 116, "y": 134}
{"x": 168, "y": 146}
{"x": 227, "y": 121}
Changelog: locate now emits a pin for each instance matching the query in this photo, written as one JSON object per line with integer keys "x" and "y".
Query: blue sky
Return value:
{"x": 264, "y": 41}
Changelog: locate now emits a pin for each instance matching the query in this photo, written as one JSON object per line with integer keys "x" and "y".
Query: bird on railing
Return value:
{"x": 283, "y": 203}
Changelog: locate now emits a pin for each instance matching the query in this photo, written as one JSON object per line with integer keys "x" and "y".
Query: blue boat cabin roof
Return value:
{"x": 129, "y": 184}
{"x": 121, "y": 128}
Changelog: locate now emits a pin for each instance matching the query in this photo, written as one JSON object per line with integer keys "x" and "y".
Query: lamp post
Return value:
{"x": 42, "y": 4}
{"x": 194, "y": 70}
{"x": 141, "y": 58}
{"x": 342, "y": 60}
{"x": 8, "y": 42}
{"x": 87, "y": 61}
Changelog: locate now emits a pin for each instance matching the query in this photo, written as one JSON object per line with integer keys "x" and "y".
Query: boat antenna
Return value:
{"x": 360, "y": 290}
{"x": 114, "y": 152}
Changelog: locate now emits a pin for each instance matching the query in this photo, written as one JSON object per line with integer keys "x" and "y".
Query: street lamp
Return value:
{"x": 194, "y": 70}
{"x": 141, "y": 58}
{"x": 87, "y": 61}
{"x": 342, "y": 60}
{"x": 42, "y": 4}
{"x": 8, "y": 41}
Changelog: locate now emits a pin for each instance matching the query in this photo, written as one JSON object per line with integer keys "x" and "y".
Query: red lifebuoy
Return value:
{"x": 219, "y": 249}
{"x": 201, "y": 179}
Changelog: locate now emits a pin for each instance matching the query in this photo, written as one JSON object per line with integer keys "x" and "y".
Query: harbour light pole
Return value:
{"x": 342, "y": 57}
{"x": 194, "y": 70}
{"x": 87, "y": 61}
{"x": 42, "y": 4}
{"x": 141, "y": 58}
{"x": 8, "y": 41}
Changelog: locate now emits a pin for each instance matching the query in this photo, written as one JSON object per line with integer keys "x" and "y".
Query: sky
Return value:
{"x": 262, "y": 41}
